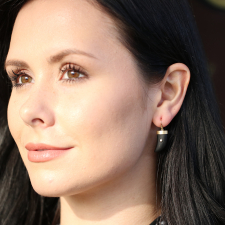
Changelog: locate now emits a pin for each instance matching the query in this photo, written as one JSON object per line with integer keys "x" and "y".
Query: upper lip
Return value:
{"x": 41, "y": 146}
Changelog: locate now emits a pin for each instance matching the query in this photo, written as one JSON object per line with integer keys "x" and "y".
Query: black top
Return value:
{"x": 158, "y": 222}
{"x": 155, "y": 222}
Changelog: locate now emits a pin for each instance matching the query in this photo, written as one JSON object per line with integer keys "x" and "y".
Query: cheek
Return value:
{"x": 14, "y": 120}
{"x": 108, "y": 124}
{"x": 16, "y": 125}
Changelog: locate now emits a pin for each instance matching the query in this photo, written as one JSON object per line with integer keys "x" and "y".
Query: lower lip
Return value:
{"x": 46, "y": 155}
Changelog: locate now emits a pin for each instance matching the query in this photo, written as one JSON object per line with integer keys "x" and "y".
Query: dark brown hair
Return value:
{"x": 191, "y": 171}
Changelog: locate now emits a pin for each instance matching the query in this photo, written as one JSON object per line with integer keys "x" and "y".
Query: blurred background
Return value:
{"x": 210, "y": 19}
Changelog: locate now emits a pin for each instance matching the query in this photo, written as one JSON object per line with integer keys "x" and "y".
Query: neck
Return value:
{"x": 129, "y": 199}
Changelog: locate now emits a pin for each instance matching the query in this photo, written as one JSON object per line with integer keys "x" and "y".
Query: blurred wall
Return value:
{"x": 211, "y": 24}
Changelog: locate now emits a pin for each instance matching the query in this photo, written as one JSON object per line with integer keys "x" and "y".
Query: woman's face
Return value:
{"x": 78, "y": 88}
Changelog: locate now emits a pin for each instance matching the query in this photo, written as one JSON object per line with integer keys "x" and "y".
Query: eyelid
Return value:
{"x": 18, "y": 71}
{"x": 15, "y": 75}
{"x": 72, "y": 66}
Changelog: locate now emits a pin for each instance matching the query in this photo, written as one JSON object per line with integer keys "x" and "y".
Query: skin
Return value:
{"x": 109, "y": 116}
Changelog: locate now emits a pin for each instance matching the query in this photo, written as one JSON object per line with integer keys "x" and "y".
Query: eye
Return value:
{"x": 20, "y": 78}
{"x": 72, "y": 72}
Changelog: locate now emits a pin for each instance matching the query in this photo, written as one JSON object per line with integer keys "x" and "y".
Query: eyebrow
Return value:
{"x": 15, "y": 63}
{"x": 52, "y": 59}
{"x": 58, "y": 57}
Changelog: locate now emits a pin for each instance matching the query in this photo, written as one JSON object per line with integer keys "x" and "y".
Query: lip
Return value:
{"x": 41, "y": 152}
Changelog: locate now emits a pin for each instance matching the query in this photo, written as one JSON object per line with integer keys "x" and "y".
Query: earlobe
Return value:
{"x": 173, "y": 89}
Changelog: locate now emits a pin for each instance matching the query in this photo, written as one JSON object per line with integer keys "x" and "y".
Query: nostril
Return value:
{"x": 37, "y": 121}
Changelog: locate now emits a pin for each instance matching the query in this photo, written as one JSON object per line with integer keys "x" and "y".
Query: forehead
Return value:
{"x": 43, "y": 25}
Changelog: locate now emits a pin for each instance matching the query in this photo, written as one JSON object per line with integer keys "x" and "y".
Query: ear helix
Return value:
{"x": 161, "y": 139}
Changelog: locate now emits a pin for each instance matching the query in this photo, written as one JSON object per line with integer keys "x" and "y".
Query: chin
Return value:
{"x": 58, "y": 187}
{"x": 46, "y": 189}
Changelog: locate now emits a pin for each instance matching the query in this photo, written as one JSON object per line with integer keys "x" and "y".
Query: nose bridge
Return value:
{"x": 37, "y": 110}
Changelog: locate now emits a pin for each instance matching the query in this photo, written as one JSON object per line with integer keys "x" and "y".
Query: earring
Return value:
{"x": 162, "y": 139}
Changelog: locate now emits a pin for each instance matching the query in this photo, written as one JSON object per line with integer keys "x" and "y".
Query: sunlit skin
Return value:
{"x": 104, "y": 112}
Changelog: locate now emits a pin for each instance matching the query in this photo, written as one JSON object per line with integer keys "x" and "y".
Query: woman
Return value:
{"x": 92, "y": 83}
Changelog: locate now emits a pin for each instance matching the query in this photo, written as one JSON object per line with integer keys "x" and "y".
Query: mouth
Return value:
{"x": 43, "y": 147}
{"x": 41, "y": 152}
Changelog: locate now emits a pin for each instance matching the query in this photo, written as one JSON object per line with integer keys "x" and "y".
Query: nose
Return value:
{"x": 37, "y": 110}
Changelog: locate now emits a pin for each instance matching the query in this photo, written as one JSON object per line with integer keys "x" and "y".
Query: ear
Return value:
{"x": 173, "y": 88}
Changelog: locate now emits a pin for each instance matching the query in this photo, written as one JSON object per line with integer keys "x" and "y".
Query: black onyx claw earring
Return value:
{"x": 162, "y": 139}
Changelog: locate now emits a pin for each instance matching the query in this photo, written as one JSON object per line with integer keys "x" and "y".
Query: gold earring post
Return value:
{"x": 162, "y": 131}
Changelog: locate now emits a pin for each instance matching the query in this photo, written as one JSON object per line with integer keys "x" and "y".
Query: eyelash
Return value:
{"x": 72, "y": 67}
{"x": 15, "y": 77}
{"x": 67, "y": 67}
